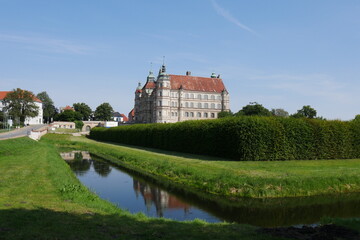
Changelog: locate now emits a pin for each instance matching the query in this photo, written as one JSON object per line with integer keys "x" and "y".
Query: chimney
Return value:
{"x": 188, "y": 73}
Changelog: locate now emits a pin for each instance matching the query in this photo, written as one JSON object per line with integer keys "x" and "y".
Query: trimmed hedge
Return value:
{"x": 245, "y": 138}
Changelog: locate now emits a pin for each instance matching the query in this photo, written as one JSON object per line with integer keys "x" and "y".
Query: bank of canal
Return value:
{"x": 137, "y": 194}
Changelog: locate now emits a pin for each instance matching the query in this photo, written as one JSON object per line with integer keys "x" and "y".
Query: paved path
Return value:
{"x": 21, "y": 132}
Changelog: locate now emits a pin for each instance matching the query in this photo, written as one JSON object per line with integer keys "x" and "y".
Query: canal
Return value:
{"x": 136, "y": 194}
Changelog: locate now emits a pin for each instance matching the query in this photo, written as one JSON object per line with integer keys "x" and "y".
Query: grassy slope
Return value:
{"x": 229, "y": 178}
{"x": 40, "y": 198}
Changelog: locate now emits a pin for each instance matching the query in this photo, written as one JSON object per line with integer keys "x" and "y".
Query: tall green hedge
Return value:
{"x": 245, "y": 138}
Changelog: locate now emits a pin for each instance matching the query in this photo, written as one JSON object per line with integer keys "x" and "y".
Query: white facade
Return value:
{"x": 33, "y": 120}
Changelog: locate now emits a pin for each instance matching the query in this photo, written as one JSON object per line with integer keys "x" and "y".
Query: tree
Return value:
{"x": 279, "y": 112}
{"x": 305, "y": 112}
{"x": 68, "y": 116}
{"x": 20, "y": 104}
{"x": 49, "y": 109}
{"x": 79, "y": 124}
{"x": 103, "y": 112}
{"x": 83, "y": 109}
{"x": 253, "y": 109}
{"x": 224, "y": 114}
{"x": 357, "y": 117}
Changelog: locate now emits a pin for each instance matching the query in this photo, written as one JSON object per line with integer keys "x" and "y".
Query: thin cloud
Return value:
{"x": 45, "y": 44}
{"x": 227, "y": 15}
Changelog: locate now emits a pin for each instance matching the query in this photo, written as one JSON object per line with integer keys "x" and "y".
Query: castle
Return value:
{"x": 175, "y": 98}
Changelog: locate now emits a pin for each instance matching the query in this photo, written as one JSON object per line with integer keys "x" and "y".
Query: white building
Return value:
{"x": 28, "y": 121}
{"x": 175, "y": 98}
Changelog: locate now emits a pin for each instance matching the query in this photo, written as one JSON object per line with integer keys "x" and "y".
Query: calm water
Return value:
{"x": 136, "y": 194}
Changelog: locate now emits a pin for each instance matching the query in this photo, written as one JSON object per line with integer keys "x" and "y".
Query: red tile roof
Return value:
{"x": 68, "y": 108}
{"x": 197, "y": 83}
{"x": 4, "y": 93}
{"x": 149, "y": 85}
{"x": 132, "y": 113}
{"x": 125, "y": 119}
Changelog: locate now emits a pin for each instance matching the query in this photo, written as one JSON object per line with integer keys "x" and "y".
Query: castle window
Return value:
{"x": 172, "y": 94}
{"x": 206, "y": 105}
{"x": 199, "y": 114}
{"x": 191, "y": 114}
{"x": 213, "y": 115}
{"x": 212, "y": 97}
{"x": 213, "y": 105}
{"x": 186, "y": 95}
{"x": 205, "y": 115}
{"x": 186, "y": 104}
{"x": 192, "y": 104}
{"x": 199, "y": 105}
{"x": 219, "y": 106}
{"x": 192, "y": 96}
{"x": 159, "y": 103}
{"x": 175, "y": 114}
{"x": 186, "y": 114}
{"x": 172, "y": 104}
{"x": 206, "y": 97}
{"x": 218, "y": 97}
{"x": 160, "y": 113}
{"x": 172, "y": 114}
{"x": 199, "y": 96}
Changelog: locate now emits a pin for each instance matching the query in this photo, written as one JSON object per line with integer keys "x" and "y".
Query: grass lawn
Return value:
{"x": 224, "y": 178}
{"x": 40, "y": 198}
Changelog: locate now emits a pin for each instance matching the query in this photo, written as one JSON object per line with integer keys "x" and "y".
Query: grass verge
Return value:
{"x": 40, "y": 198}
{"x": 223, "y": 178}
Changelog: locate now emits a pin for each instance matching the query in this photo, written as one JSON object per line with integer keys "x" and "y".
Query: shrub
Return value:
{"x": 245, "y": 138}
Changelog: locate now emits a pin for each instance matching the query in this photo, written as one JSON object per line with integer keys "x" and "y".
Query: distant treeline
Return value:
{"x": 245, "y": 138}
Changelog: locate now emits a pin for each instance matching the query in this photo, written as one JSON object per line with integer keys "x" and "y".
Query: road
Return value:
{"x": 20, "y": 132}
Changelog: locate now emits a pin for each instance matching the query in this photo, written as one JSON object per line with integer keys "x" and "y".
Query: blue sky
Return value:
{"x": 280, "y": 53}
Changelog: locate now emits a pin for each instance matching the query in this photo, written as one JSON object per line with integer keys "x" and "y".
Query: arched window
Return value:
{"x": 160, "y": 113}
{"x": 212, "y": 97}
{"x": 199, "y": 96}
{"x": 192, "y": 96}
{"x": 186, "y": 104}
{"x": 192, "y": 104}
{"x": 186, "y": 95}
{"x": 205, "y": 115}
{"x": 218, "y": 97}
{"x": 213, "y": 105}
{"x": 206, "y": 105}
{"x": 186, "y": 114}
{"x": 172, "y": 114}
{"x": 199, "y": 114}
{"x": 206, "y": 97}
{"x": 191, "y": 114}
{"x": 199, "y": 105}
{"x": 212, "y": 115}
{"x": 175, "y": 114}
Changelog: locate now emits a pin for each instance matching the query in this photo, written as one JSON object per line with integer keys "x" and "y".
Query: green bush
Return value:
{"x": 245, "y": 138}
{"x": 79, "y": 124}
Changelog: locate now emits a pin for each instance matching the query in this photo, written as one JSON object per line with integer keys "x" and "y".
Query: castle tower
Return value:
{"x": 162, "y": 114}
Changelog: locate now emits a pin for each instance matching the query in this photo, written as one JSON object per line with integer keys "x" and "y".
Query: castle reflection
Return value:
{"x": 161, "y": 199}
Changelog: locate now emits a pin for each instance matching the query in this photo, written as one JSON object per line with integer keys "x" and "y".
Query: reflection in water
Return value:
{"x": 161, "y": 199}
{"x": 141, "y": 195}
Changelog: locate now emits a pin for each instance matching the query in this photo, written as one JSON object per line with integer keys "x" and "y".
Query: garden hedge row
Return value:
{"x": 245, "y": 138}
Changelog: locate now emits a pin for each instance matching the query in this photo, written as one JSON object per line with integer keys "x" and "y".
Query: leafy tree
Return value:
{"x": 79, "y": 124}
{"x": 279, "y": 112}
{"x": 223, "y": 114}
{"x": 103, "y": 112}
{"x": 253, "y": 109}
{"x": 68, "y": 116}
{"x": 84, "y": 109}
{"x": 20, "y": 104}
{"x": 357, "y": 117}
{"x": 49, "y": 109}
{"x": 305, "y": 112}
